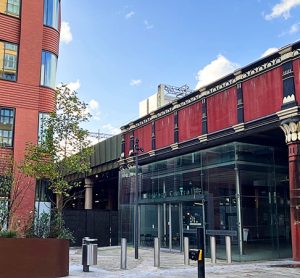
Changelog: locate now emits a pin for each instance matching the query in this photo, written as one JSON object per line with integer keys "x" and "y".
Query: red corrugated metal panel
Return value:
{"x": 190, "y": 121}
{"x": 296, "y": 67}
{"x": 50, "y": 40}
{"x": 127, "y": 143}
{"x": 263, "y": 94}
{"x": 222, "y": 110}
{"x": 164, "y": 131}
{"x": 9, "y": 28}
{"x": 46, "y": 99}
{"x": 144, "y": 134}
{"x": 14, "y": 94}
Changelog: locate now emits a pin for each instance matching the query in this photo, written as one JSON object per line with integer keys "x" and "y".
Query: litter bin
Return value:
{"x": 89, "y": 252}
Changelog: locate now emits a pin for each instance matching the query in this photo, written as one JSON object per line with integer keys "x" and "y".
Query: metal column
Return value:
{"x": 238, "y": 204}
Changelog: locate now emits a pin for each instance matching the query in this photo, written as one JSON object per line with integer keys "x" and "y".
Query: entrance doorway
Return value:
{"x": 170, "y": 225}
{"x": 178, "y": 220}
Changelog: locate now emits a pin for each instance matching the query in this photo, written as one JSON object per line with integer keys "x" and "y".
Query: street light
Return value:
{"x": 137, "y": 149}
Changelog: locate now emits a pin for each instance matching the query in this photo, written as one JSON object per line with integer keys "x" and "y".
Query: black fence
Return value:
{"x": 99, "y": 224}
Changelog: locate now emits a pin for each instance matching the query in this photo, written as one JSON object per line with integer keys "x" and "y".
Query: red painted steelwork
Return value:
{"x": 164, "y": 131}
{"x": 263, "y": 95}
{"x": 190, "y": 121}
{"x": 296, "y": 67}
{"x": 127, "y": 143}
{"x": 294, "y": 166}
{"x": 144, "y": 134}
{"x": 222, "y": 110}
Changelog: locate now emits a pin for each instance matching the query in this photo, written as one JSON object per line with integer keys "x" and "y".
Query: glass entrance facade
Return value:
{"x": 237, "y": 187}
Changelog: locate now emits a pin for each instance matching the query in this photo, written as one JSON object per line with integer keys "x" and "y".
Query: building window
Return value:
{"x": 43, "y": 117}
{"x": 10, "y": 7}
{"x": 6, "y": 127}
{"x": 8, "y": 61}
{"x": 51, "y": 13}
{"x": 48, "y": 69}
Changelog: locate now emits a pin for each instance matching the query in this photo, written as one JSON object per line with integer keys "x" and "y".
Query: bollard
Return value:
{"x": 186, "y": 251}
{"x": 123, "y": 253}
{"x": 228, "y": 249}
{"x": 213, "y": 249}
{"x": 156, "y": 252}
{"x": 201, "y": 255}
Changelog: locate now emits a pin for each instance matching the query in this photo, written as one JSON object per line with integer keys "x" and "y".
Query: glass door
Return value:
{"x": 170, "y": 226}
{"x": 192, "y": 218}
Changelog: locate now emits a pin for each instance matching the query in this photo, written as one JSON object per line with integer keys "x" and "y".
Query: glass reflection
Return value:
{"x": 48, "y": 69}
{"x": 8, "y": 61}
{"x": 51, "y": 13}
{"x": 10, "y": 7}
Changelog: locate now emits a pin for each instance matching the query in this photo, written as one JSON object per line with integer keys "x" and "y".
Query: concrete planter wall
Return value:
{"x": 34, "y": 258}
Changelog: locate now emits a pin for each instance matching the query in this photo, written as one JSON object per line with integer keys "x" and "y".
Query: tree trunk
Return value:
{"x": 59, "y": 202}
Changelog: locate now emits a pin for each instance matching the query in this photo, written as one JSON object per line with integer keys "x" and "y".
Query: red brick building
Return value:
{"x": 29, "y": 44}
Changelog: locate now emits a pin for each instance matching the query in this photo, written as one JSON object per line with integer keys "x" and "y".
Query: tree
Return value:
{"x": 64, "y": 147}
{"x": 13, "y": 188}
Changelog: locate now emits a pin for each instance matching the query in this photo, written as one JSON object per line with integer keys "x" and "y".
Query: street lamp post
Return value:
{"x": 137, "y": 149}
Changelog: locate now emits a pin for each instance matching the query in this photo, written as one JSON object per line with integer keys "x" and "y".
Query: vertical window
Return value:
{"x": 6, "y": 127}
{"x": 10, "y": 7}
{"x": 8, "y": 61}
{"x": 51, "y": 13}
{"x": 43, "y": 117}
{"x": 48, "y": 69}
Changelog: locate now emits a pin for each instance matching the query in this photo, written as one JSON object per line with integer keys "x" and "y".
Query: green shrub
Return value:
{"x": 8, "y": 234}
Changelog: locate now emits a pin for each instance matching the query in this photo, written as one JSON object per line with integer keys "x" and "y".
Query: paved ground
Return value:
{"x": 172, "y": 266}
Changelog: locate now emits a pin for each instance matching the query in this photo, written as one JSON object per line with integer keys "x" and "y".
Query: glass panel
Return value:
{"x": 8, "y": 61}
{"x": 10, "y": 7}
{"x": 51, "y": 13}
{"x": 6, "y": 127}
{"x": 13, "y": 7}
{"x": 264, "y": 209}
{"x": 148, "y": 225}
{"x": 192, "y": 217}
{"x": 43, "y": 117}
{"x": 232, "y": 180}
{"x": 175, "y": 226}
{"x": 48, "y": 69}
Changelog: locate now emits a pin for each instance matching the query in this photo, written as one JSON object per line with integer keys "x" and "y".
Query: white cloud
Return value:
{"x": 148, "y": 25}
{"x": 74, "y": 86}
{"x": 65, "y": 33}
{"x": 135, "y": 82}
{"x": 294, "y": 28}
{"x": 269, "y": 51}
{"x": 130, "y": 14}
{"x": 282, "y": 9}
{"x": 215, "y": 70}
{"x": 109, "y": 129}
{"x": 94, "y": 109}
{"x": 94, "y": 105}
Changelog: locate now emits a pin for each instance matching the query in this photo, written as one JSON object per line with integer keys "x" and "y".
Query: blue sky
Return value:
{"x": 116, "y": 52}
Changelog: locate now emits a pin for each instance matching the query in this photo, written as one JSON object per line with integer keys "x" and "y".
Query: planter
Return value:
{"x": 34, "y": 258}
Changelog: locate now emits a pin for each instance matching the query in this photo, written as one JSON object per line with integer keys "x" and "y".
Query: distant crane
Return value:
{"x": 99, "y": 135}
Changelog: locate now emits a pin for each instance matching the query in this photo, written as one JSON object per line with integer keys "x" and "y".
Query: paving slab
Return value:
{"x": 172, "y": 265}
